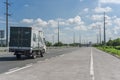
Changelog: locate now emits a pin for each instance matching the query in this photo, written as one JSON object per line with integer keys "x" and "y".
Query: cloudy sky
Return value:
{"x": 75, "y": 17}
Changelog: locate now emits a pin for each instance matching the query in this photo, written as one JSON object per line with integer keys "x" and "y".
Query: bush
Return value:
{"x": 48, "y": 43}
{"x": 58, "y": 44}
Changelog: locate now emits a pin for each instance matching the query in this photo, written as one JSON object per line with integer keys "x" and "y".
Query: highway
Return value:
{"x": 8, "y": 60}
{"x": 86, "y": 63}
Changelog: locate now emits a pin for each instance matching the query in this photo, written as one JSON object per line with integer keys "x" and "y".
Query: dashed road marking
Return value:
{"x": 92, "y": 66}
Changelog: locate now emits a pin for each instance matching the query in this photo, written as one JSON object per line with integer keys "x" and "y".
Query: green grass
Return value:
{"x": 111, "y": 50}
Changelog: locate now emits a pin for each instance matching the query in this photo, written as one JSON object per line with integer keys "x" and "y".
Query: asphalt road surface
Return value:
{"x": 86, "y": 63}
{"x": 8, "y": 60}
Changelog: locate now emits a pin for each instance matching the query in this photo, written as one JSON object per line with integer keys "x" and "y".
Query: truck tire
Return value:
{"x": 34, "y": 55}
{"x": 41, "y": 54}
{"x": 18, "y": 56}
{"x": 43, "y": 51}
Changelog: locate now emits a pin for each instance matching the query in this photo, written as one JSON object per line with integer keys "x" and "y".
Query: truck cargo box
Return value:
{"x": 26, "y": 41}
{"x": 20, "y": 37}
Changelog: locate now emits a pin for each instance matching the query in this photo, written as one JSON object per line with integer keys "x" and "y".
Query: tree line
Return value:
{"x": 61, "y": 44}
{"x": 115, "y": 42}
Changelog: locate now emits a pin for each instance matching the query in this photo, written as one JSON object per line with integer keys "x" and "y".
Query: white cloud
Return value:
{"x": 110, "y": 1}
{"x": 117, "y": 21}
{"x": 109, "y": 23}
{"x": 101, "y": 10}
{"x": 52, "y": 23}
{"x": 80, "y": 28}
{"x": 86, "y": 9}
{"x": 108, "y": 19}
{"x": 95, "y": 25}
{"x": 63, "y": 23}
{"x": 97, "y": 17}
{"x": 28, "y": 21}
{"x": 55, "y": 31}
{"x": 40, "y": 23}
{"x": 116, "y": 30}
{"x": 75, "y": 20}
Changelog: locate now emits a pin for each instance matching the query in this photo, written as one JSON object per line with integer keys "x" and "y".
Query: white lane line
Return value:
{"x": 13, "y": 69}
{"x": 92, "y": 66}
{"x": 17, "y": 69}
{"x": 62, "y": 55}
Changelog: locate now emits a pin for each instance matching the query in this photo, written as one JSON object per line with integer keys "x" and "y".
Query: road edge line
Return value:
{"x": 17, "y": 69}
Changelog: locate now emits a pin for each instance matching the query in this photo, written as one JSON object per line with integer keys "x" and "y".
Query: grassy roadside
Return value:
{"x": 111, "y": 50}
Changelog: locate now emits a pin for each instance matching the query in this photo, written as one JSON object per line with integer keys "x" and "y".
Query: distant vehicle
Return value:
{"x": 26, "y": 41}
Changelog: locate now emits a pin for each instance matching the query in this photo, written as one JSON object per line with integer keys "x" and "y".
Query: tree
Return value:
{"x": 116, "y": 42}
{"x": 58, "y": 44}
{"x": 48, "y": 43}
{"x": 110, "y": 43}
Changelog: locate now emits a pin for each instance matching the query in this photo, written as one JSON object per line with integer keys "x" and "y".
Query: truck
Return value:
{"x": 27, "y": 41}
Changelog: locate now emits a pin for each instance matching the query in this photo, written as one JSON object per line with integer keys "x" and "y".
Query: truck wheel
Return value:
{"x": 41, "y": 54}
{"x": 43, "y": 50}
{"x": 34, "y": 55}
{"x": 18, "y": 56}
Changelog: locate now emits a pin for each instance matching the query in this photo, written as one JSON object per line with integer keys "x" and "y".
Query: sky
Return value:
{"x": 79, "y": 17}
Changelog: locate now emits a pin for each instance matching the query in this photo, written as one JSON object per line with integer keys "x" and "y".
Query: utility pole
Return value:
{"x": 58, "y": 32}
{"x": 97, "y": 39}
{"x": 100, "y": 33}
{"x": 104, "y": 30}
{"x": 74, "y": 38}
{"x": 7, "y": 14}
{"x": 79, "y": 40}
{"x": 53, "y": 39}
